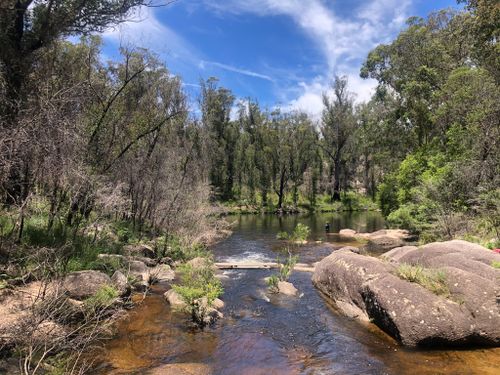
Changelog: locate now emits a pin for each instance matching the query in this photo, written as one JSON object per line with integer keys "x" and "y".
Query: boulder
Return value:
{"x": 174, "y": 299}
{"x": 161, "y": 272}
{"x": 218, "y": 304}
{"x": 347, "y": 233}
{"x": 121, "y": 284}
{"x": 139, "y": 270}
{"x": 147, "y": 261}
{"x": 284, "y": 287}
{"x": 139, "y": 250}
{"x": 368, "y": 288}
{"x": 83, "y": 284}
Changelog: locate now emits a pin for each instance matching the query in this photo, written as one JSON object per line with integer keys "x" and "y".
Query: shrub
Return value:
{"x": 197, "y": 283}
{"x": 300, "y": 234}
{"x": 431, "y": 279}
{"x": 285, "y": 270}
{"x": 404, "y": 217}
{"x": 102, "y": 299}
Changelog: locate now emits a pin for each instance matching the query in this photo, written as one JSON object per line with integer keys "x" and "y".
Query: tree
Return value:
{"x": 337, "y": 129}
{"x": 216, "y": 105}
{"x": 26, "y": 26}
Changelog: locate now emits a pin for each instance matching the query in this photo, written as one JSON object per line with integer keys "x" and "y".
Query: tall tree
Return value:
{"x": 337, "y": 129}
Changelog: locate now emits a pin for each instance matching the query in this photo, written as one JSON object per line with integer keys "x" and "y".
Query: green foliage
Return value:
{"x": 353, "y": 201}
{"x": 102, "y": 299}
{"x": 431, "y": 279}
{"x": 174, "y": 247}
{"x": 300, "y": 234}
{"x": 285, "y": 270}
{"x": 197, "y": 283}
{"x": 495, "y": 264}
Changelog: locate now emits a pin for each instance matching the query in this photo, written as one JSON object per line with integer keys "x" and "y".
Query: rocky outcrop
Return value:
{"x": 84, "y": 284}
{"x": 368, "y": 288}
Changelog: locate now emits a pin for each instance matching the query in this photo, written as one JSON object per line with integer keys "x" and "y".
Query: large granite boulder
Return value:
{"x": 369, "y": 289}
{"x": 83, "y": 284}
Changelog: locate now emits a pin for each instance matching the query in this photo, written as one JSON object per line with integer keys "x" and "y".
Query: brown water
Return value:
{"x": 273, "y": 334}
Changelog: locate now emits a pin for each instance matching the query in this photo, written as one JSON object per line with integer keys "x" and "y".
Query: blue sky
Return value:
{"x": 279, "y": 52}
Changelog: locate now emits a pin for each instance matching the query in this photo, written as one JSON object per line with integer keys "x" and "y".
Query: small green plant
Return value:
{"x": 197, "y": 283}
{"x": 102, "y": 299}
{"x": 300, "y": 234}
{"x": 431, "y": 279}
{"x": 495, "y": 264}
{"x": 285, "y": 270}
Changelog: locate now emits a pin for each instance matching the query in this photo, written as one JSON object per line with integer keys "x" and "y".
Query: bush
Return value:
{"x": 102, "y": 299}
{"x": 285, "y": 270}
{"x": 197, "y": 283}
{"x": 300, "y": 234}
{"x": 404, "y": 217}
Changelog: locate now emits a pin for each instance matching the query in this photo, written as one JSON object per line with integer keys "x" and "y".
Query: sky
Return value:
{"x": 278, "y": 52}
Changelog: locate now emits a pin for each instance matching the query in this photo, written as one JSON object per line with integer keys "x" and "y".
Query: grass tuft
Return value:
{"x": 431, "y": 279}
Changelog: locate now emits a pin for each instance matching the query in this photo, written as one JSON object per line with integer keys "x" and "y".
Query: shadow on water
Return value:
{"x": 274, "y": 334}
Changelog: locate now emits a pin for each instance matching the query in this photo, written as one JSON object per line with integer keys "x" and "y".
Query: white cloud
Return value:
{"x": 143, "y": 29}
{"x": 343, "y": 41}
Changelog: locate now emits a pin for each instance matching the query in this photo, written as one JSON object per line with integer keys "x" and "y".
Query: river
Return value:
{"x": 266, "y": 334}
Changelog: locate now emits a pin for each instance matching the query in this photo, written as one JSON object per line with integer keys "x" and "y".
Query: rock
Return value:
{"x": 174, "y": 299}
{"x": 120, "y": 259}
{"x": 284, "y": 287}
{"x": 381, "y": 244}
{"x": 367, "y": 288}
{"x": 167, "y": 260}
{"x": 218, "y": 304}
{"x": 212, "y": 315}
{"x": 347, "y": 233}
{"x": 83, "y": 284}
{"x": 121, "y": 284}
{"x": 147, "y": 261}
{"x": 139, "y": 270}
{"x": 161, "y": 272}
{"x": 139, "y": 250}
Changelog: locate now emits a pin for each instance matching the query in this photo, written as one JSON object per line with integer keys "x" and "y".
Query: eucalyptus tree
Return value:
{"x": 337, "y": 128}
{"x": 222, "y": 134}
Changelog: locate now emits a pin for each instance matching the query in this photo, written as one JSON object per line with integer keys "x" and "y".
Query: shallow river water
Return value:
{"x": 273, "y": 334}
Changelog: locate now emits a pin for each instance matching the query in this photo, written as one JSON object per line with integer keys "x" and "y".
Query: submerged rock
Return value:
{"x": 174, "y": 299}
{"x": 368, "y": 288}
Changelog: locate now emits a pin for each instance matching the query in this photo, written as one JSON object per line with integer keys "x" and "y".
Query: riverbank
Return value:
{"x": 349, "y": 202}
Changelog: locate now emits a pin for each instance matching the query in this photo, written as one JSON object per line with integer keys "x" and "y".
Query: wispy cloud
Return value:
{"x": 234, "y": 69}
{"x": 344, "y": 42}
{"x": 143, "y": 29}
